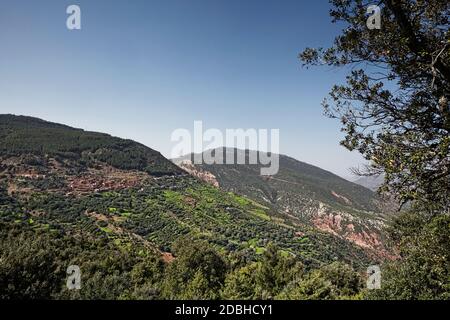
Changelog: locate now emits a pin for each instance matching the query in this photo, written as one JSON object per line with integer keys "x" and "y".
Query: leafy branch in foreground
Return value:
{"x": 394, "y": 107}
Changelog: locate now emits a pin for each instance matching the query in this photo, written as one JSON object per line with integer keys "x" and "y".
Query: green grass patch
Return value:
{"x": 106, "y": 229}
{"x": 260, "y": 213}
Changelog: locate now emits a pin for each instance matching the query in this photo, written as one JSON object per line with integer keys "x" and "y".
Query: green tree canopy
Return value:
{"x": 394, "y": 107}
{"x": 424, "y": 269}
{"x": 198, "y": 271}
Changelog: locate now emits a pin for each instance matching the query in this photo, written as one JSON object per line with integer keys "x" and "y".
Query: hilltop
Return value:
{"x": 21, "y": 135}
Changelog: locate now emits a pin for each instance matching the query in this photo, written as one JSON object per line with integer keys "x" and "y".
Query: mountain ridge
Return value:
{"x": 21, "y": 134}
{"x": 83, "y": 184}
{"x": 309, "y": 171}
{"x": 304, "y": 194}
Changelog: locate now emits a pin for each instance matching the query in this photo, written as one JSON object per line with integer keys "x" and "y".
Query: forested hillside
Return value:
{"x": 394, "y": 109}
{"x": 135, "y": 223}
{"x": 303, "y": 194}
{"x": 26, "y": 135}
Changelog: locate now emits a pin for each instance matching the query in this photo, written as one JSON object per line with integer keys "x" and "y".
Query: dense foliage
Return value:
{"x": 137, "y": 235}
{"x": 424, "y": 270}
{"x": 33, "y": 265}
{"x": 395, "y": 111}
{"x": 395, "y": 107}
{"x": 19, "y": 134}
{"x": 166, "y": 209}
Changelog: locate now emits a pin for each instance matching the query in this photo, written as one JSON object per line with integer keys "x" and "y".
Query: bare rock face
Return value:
{"x": 365, "y": 233}
{"x": 203, "y": 175}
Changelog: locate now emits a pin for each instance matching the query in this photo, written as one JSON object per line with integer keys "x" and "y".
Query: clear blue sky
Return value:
{"x": 141, "y": 69}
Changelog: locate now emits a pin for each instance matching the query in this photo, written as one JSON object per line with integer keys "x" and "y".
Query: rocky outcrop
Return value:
{"x": 206, "y": 176}
{"x": 365, "y": 233}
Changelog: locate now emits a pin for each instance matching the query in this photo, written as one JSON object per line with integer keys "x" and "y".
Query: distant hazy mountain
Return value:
{"x": 304, "y": 194}
{"x": 372, "y": 182}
